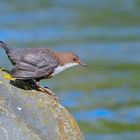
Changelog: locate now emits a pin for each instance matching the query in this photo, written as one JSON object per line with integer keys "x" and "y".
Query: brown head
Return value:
{"x": 66, "y": 58}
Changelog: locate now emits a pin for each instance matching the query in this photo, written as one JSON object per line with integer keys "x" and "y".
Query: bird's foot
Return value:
{"x": 49, "y": 91}
{"x": 46, "y": 90}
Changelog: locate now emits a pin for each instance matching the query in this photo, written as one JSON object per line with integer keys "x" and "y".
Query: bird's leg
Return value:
{"x": 45, "y": 90}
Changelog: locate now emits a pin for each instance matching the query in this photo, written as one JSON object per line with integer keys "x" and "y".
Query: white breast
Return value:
{"x": 62, "y": 68}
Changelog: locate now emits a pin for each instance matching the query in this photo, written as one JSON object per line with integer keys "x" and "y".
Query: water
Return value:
{"x": 105, "y": 97}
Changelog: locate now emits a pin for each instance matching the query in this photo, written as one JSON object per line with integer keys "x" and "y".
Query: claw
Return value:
{"x": 46, "y": 90}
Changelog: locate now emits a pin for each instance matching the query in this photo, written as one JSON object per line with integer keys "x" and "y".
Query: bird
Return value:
{"x": 39, "y": 63}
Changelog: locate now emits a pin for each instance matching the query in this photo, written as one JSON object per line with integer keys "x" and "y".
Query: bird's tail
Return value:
{"x": 4, "y": 46}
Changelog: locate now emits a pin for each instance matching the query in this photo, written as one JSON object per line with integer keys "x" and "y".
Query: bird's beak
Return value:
{"x": 83, "y": 64}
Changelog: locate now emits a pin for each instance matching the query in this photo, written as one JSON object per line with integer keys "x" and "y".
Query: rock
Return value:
{"x": 32, "y": 115}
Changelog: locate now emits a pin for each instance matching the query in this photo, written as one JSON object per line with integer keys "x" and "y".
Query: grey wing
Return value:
{"x": 34, "y": 65}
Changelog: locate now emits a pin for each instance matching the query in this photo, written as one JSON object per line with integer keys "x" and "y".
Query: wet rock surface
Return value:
{"x": 32, "y": 115}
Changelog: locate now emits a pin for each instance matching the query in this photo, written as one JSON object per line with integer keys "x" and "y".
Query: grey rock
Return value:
{"x": 32, "y": 115}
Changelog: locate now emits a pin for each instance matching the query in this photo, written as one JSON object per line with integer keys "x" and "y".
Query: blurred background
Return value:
{"x": 105, "y": 97}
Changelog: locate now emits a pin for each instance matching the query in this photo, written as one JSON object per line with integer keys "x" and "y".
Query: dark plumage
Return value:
{"x": 31, "y": 62}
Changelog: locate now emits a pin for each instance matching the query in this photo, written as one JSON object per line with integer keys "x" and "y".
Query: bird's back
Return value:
{"x": 15, "y": 54}
{"x": 32, "y": 62}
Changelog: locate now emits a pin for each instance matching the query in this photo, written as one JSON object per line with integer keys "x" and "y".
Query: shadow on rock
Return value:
{"x": 24, "y": 84}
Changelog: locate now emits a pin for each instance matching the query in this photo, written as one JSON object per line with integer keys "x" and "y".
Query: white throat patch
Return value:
{"x": 62, "y": 68}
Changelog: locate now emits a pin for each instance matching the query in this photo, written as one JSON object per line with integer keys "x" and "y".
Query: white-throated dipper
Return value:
{"x": 39, "y": 63}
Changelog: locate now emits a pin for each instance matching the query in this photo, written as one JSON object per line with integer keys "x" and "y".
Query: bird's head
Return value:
{"x": 70, "y": 59}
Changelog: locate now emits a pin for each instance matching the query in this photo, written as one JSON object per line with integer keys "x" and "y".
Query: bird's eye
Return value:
{"x": 74, "y": 59}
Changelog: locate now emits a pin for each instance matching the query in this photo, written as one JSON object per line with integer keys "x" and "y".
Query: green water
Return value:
{"x": 105, "y": 97}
